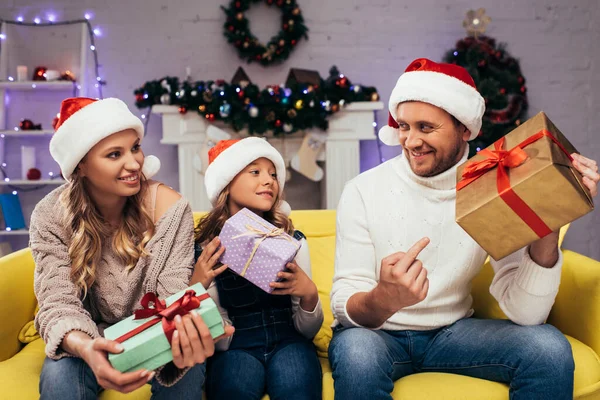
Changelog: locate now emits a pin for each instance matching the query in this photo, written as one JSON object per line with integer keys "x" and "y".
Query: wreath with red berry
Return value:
{"x": 237, "y": 31}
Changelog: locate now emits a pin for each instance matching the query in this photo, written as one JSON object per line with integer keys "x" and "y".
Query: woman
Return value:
{"x": 100, "y": 242}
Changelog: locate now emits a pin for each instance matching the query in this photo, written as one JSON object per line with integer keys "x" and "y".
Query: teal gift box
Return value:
{"x": 150, "y": 348}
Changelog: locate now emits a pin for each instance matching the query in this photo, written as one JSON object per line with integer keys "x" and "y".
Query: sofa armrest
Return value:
{"x": 576, "y": 311}
{"x": 17, "y": 300}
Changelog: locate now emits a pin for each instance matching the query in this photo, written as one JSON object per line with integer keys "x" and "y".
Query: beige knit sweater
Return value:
{"x": 116, "y": 293}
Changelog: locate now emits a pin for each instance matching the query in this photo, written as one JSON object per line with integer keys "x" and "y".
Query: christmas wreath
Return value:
{"x": 237, "y": 31}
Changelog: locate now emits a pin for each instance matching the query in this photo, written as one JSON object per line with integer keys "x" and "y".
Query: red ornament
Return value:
{"x": 210, "y": 117}
{"x": 241, "y": 94}
{"x": 238, "y": 4}
{"x": 38, "y": 74}
{"x": 502, "y": 91}
{"x": 220, "y": 82}
{"x": 34, "y": 174}
{"x": 279, "y": 3}
{"x": 231, "y": 28}
{"x": 523, "y": 89}
{"x": 278, "y": 123}
{"x": 293, "y": 42}
{"x": 521, "y": 80}
{"x": 285, "y": 27}
{"x": 182, "y": 110}
{"x": 258, "y": 57}
{"x": 139, "y": 97}
{"x": 498, "y": 54}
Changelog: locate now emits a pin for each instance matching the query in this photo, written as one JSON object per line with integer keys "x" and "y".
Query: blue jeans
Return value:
{"x": 266, "y": 355}
{"x": 70, "y": 378}
{"x": 536, "y": 361}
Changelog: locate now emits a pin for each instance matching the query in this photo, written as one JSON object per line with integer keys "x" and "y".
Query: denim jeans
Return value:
{"x": 266, "y": 355}
{"x": 70, "y": 378}
{"x": 536, "y": 361}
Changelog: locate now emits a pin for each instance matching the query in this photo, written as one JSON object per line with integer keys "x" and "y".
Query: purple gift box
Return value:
{"x": 256, "y": 249}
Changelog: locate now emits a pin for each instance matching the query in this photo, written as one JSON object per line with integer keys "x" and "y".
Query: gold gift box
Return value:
{"x": 546, "y": 181}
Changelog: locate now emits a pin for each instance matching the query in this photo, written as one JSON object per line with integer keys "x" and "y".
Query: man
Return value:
{"x": 403, "y": 267}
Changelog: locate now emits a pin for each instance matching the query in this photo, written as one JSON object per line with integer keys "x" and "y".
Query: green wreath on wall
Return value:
{"x": 237, "y": 31}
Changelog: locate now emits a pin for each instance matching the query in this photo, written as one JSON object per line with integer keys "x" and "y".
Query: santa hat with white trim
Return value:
{"x": 229, "y": 157}
{"x": 84, "y": 122}
{"x": 447, "y": 86}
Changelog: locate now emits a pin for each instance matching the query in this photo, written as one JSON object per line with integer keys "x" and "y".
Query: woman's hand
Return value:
{"x": 192, "y": 343}
{"x": 95, "y": 353}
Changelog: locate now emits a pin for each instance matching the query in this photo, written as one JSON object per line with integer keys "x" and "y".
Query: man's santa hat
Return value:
{"x": 84, "y": 122}
{"x": 447, "y": 86}
{"x": 229, "y": 157}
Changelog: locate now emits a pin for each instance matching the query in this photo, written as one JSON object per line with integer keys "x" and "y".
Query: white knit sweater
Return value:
{"x": 388, "y": 209}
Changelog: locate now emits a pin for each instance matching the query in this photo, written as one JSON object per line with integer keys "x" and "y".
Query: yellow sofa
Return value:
{"x": 576, "y": 313}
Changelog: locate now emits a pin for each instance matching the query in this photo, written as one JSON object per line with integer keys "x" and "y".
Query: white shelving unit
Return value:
{"x": 63, "y": 89}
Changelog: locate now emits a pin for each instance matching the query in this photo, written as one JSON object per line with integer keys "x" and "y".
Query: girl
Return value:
{"x": 100, "y": 242}
{"x": 272, "y": 350}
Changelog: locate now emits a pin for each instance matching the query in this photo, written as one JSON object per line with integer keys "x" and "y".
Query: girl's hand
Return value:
{"x": 589, "y": 169}
{"x": 205, "y": 270}
{"x": 297, "y": 283}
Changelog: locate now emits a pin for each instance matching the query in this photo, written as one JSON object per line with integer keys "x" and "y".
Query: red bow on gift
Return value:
{"x": 503, "y": 160}
{"x": 188, "y": 302}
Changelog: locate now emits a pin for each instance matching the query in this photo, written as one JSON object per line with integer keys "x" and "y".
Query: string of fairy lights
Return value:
{"x": 51, "y": 20}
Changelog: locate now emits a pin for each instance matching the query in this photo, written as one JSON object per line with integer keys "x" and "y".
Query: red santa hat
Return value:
{"x": 447, "y": 86}
{"x": 229, "y": 157}
{"x": 84, "y": 122}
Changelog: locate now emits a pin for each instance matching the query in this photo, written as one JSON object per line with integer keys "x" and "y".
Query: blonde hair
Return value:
{"x": 89, "y": 230}
{"x": 211, "y": 224}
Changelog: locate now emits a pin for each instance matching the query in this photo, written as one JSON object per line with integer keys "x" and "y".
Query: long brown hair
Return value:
{"x": 211, "y": 224}
{"x": 89, "y": 230}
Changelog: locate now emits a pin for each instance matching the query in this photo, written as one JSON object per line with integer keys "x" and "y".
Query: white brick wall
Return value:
{"x": 370, "y": 41}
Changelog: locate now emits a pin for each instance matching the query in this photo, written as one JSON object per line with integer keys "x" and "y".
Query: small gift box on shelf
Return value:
{"x": 146, "y": 336}
{"x": 520, "y": 189}
{"x": 256, "y": 249}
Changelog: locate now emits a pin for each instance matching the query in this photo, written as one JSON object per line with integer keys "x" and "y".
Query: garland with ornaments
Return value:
{"x": 237, "y": 31}
{"x": 498, "y": 78}
{"x": 306, "y": 100}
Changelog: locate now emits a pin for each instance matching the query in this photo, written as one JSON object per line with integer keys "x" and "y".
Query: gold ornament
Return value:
{"x": 292, "y": 113}
{"x": 239, "y": 16}
{"x": 291, "y": 22}
{"x": 246, "y": 101}
{"x": 282, "y": 43}
{"x": 201, "y": 108}
{"x": 375, "y": 97}
{"x": 246, "y": 44}
{"x": 299, "y": 104}
{"x": 335, "y": 108}
{"x": 476, "y": 22}
{"x": 296, "y": 11}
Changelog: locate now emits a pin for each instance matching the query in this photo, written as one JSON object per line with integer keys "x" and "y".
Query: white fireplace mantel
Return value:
{"x": 340, "y": 153}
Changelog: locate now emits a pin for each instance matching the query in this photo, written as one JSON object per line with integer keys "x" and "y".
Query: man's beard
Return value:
{"x": 446, "y": 163}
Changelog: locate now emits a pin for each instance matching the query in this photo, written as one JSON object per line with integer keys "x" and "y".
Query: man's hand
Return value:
{"x": 402, "y": 279}
{"x": 402, "y": 283}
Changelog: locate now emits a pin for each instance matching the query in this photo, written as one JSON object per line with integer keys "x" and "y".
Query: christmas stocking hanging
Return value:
{"x": 305, "y": 161}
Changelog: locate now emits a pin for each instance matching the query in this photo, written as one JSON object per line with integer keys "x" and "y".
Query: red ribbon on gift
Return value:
{"x": 188, "y": 302}
{"x": 503, "y": 160}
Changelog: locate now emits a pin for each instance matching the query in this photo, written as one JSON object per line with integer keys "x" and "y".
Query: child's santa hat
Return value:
{"x": 84, "y": 122}
{"x": 447, "y": 86}
{"x": 229, "y": 157}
